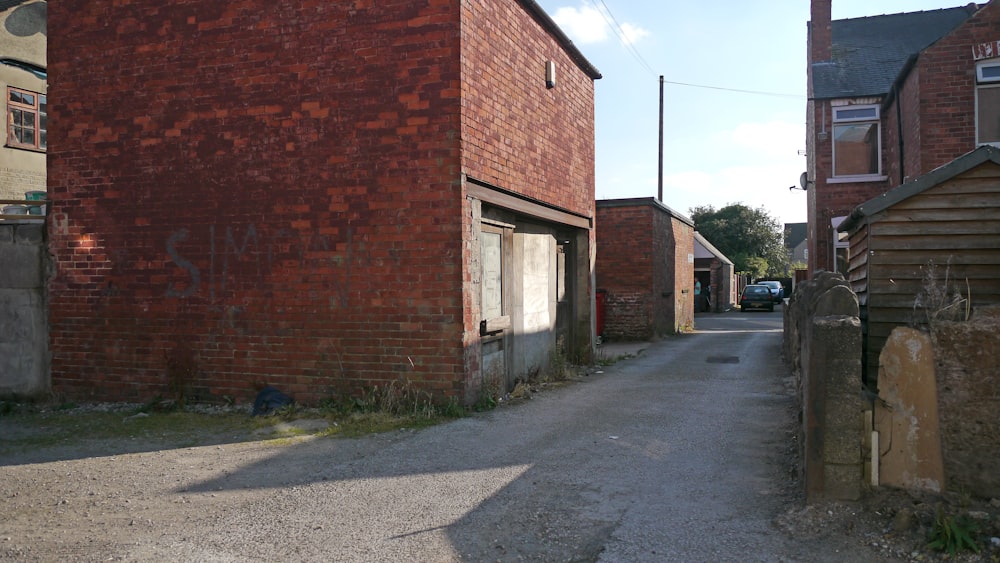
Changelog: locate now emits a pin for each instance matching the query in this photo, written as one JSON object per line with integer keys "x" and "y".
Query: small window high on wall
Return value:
{"x": 27, "y": 119}
{"x": 988, "y": 103}
{"x": 857, "y": 139}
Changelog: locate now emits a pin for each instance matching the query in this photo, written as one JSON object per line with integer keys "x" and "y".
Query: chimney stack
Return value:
{"x": 820, "y": 36}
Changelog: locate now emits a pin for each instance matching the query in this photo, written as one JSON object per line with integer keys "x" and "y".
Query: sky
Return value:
{"x": 734, "y": 95}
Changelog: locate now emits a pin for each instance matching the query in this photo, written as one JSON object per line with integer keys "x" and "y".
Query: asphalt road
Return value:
{"x": 680, "y": 454}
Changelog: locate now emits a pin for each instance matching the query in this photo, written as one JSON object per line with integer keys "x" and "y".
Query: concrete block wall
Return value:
{"x": 24, "y": 357}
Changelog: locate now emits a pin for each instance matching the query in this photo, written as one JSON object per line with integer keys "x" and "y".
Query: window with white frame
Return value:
{"x": 857, "y": 140}
{"x": 26, "y": 119}
{"x": 988, "y": 102}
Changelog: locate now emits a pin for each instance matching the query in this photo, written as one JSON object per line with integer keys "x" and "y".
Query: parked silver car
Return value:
{"x": 777, "y": 290}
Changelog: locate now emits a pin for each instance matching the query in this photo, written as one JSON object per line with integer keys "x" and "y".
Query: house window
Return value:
{"x": 26, "y": 119}
{"x": 856, "y": 141}
{"x": 988, "y": 103}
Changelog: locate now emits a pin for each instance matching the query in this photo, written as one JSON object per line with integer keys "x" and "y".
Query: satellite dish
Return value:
{"x": 803, "y": 181}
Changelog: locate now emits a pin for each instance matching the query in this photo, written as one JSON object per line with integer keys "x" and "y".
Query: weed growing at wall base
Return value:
{"x": 952, "y": 534}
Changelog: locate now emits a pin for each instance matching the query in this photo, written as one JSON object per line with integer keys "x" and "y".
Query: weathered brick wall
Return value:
{"x": 948, "y": 90}
{"x": 643, "y": 264}
{"x": 517, "y": 134}
{"x": 675, "y": 275}
{"x": 625, "y": 270}
{"x": 252, "y": 192}
{"x": 938, "y": 101}
{"x": 908, "y": 104}
{"x": 522, "y": 137}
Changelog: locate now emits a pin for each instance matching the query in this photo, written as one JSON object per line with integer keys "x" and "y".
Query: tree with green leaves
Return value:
{"x": 751, "y": 238}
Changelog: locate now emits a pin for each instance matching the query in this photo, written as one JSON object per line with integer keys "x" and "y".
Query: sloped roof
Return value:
{"x": 939, "y": 175}
{"x": 869, "y": 53}
{"x": 701, "y": 240}
{"x": 797, "y": 232}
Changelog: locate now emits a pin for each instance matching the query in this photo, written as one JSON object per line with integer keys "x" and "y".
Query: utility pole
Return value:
{"x": 659, "y": 191}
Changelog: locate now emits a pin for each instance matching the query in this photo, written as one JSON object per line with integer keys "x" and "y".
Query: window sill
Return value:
{"x": 855, "y": 179}
{"x": 24, "y": 148}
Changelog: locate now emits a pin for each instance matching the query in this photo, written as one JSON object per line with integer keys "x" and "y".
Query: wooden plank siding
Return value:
{"x": 954, "y": 224}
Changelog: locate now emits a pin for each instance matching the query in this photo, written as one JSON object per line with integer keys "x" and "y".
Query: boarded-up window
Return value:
{"x": 492, "y": 243}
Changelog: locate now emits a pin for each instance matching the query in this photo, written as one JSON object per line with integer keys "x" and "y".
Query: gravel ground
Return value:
{"x": 684, "y": 453}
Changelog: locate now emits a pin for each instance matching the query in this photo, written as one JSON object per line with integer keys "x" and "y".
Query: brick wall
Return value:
{"x": 518, "y": 134}
{"x": 251, "y": 191}
{"x": 524, "y": 138}
{"x": 948, "y": 90}
{"x": 625, "y": 270}
{"x": 278, "y": 197}
{"x": 678, "y": 271}
{"x": 643, "y": 264}
{"x": 907, "y": 107}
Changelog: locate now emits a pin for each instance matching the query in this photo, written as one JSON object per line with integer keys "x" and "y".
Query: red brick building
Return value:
{"x": 646, "y": 268}
{"x": 892, "y": 97}
{"x": 320, "y": 196}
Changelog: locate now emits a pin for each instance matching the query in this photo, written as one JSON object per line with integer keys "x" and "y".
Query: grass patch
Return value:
{"x": 38, "y": 428}
{"x": 392, "y": 406}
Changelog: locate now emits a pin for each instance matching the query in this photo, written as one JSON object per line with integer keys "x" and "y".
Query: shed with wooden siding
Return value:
{"x": 949, "y": 217}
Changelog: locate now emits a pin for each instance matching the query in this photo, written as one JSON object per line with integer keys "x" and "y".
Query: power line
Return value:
{"x": 606, "y": 13}
{"x": 622, "y": 36}
{"x": 739, "y": 90}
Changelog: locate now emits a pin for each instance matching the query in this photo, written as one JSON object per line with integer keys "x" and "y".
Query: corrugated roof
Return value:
{"x": 869, "y": 53}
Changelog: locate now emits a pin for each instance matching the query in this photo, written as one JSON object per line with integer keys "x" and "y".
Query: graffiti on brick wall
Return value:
{"x": 244, "y": 257}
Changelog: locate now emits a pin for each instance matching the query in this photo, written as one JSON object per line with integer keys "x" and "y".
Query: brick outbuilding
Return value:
{"x": 646, "y": 268}
{"x": 320, "y": 196}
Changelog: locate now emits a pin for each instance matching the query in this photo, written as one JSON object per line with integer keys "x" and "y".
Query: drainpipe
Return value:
{"x": 899, "y": 133}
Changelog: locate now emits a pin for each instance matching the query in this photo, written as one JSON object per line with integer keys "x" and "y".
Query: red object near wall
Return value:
{"x": 601, "y": 298}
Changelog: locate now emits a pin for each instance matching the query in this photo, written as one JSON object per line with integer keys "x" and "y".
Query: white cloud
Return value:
{"x": 776, "y": 139}
{"x": 588, "y": 25}
{"x": 585, "y": 24}
{"x": 633, "y": 33}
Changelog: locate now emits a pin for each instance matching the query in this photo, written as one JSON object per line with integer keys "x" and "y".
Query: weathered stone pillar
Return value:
{"x": 832, "y": 409}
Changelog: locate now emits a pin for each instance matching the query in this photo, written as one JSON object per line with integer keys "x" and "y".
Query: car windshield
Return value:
{"x": 756, "y": 289}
